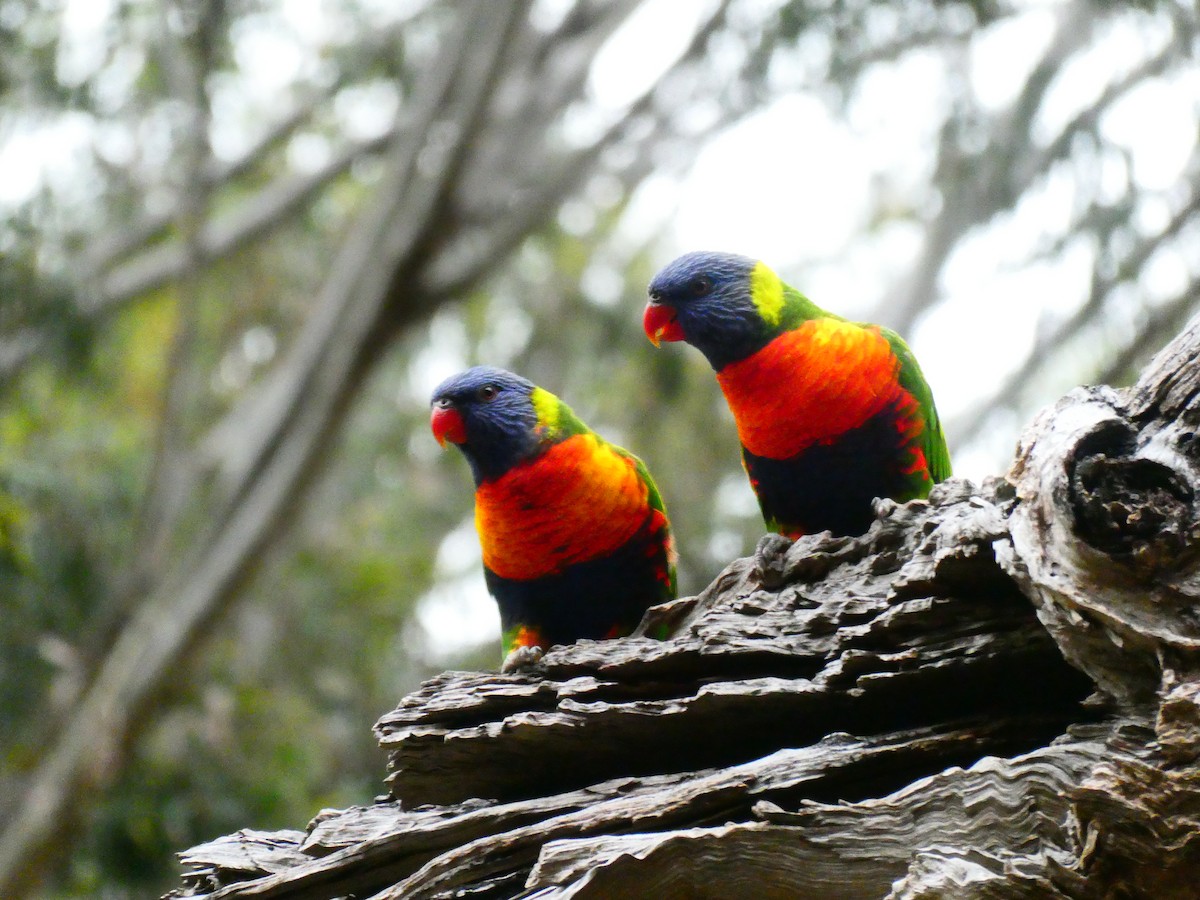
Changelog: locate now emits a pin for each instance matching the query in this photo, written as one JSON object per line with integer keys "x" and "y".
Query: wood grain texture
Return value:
{"x": 990, "y": 694}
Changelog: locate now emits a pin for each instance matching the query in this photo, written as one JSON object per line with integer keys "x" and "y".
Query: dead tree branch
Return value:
{"x": 994, "y": 693}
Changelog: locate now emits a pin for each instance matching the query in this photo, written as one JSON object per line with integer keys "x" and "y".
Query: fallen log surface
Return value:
{"x": 993, "y": 693}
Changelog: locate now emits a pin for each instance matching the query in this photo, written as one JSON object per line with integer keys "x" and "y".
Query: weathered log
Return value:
{"x": 992, "y": 693}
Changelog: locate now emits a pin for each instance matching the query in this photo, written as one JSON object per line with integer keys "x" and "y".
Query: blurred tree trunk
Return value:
{"x": 994, "y": 693}
{"x": 470, "y": 172}
{"x": 495, "y": 127}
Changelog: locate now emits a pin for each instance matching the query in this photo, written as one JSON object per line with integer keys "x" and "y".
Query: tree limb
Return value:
{"x": 902, "y": 714}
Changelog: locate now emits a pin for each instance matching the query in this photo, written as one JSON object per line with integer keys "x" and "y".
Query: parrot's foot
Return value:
{"x": 521, "y": 658}
{"x": 770, "y": 559}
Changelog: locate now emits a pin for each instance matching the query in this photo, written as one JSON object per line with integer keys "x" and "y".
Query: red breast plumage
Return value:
{"x": 579, "y": 500}
{"x": 809, "y": 385}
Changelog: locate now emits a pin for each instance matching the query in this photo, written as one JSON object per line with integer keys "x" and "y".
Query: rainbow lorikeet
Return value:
{"x": 830, "y": 413}
{"x": 576, "y": 542}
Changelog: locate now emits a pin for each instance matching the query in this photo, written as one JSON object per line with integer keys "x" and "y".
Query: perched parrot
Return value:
{"x": 576, "y": 542}
{"x": 830, "y": 413}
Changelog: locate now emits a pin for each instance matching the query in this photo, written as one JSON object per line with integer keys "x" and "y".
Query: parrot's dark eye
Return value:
{"x": 487, "y": 392}
{"x": 443, "y": 403}
{"x": 700, "y": 286}
{"x": 656, "y": 296}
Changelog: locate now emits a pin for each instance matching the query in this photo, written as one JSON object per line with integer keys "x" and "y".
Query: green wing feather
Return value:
{"x": 652, "y": 494}
{"x": 937, "y": 456}
{"x": 656, "y": 500}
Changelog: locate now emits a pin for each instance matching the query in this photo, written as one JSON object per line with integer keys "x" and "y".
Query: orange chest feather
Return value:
{"x": 810, "y": 385}
{"x": 577, "y": 501}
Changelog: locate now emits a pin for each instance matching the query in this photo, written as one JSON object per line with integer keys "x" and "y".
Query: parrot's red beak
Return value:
{"x": 661, "y": 324}
{"x": 447, "y": 425}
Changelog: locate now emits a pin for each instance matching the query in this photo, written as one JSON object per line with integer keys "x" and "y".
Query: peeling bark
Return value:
{"x": 990, "y": 694}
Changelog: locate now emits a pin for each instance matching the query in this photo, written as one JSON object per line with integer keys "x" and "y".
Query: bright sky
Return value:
{"x": 790, "y": 185}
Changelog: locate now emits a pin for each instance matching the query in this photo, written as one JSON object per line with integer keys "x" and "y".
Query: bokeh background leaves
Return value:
{"x": 243, "y": 239}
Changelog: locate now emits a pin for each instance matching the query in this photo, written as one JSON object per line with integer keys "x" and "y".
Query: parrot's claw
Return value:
{"x": 521, "y": 658}
{"x": 770, "y": 559}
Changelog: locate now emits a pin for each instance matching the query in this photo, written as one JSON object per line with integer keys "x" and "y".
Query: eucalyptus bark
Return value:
{"x": 992, "y": 693}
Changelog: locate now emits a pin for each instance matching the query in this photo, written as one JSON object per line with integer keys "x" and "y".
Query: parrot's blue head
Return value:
{"x": 491, "y": 415}
{"x": 710, "y": 300}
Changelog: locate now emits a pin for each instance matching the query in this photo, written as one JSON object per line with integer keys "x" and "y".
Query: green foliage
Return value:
{"x": 278, "y": 720}
{"x": 109, "y": 483}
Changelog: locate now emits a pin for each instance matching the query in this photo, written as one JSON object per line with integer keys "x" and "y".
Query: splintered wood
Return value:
{"x": 992, "y": 693}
